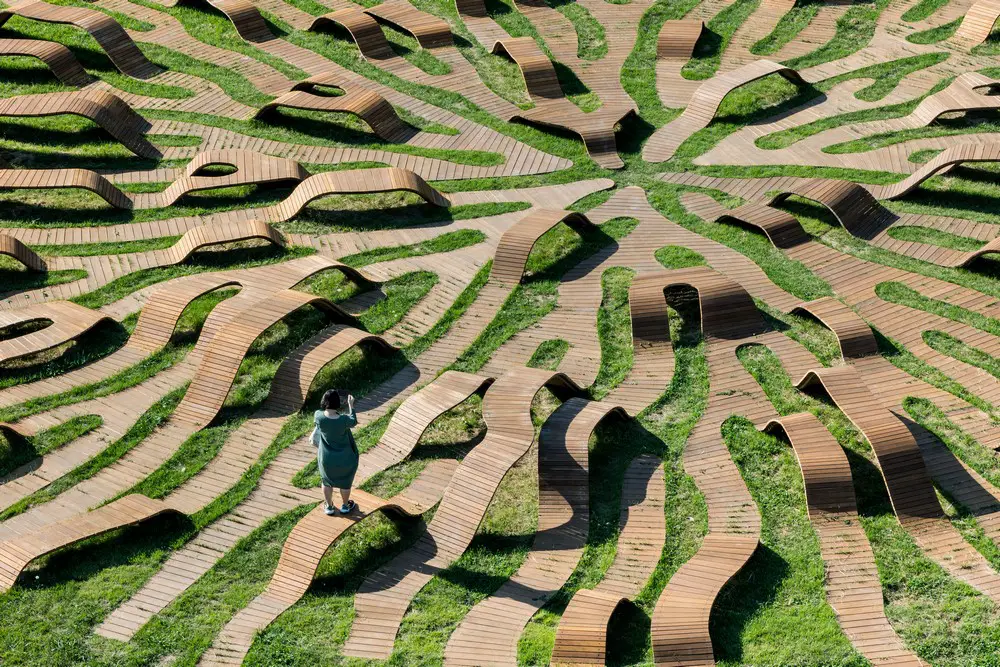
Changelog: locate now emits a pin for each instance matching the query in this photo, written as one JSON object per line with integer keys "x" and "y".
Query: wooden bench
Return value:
{"x": 511, "y": 256}
{"x": 59, "y": 59}
{"x": 68, "y": 321}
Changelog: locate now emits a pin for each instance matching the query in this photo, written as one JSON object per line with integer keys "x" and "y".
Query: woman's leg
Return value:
{"x": 345, "y": 495}
{"x": 328, "y": 495}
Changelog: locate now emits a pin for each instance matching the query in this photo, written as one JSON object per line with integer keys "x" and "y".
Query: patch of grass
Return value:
{"x": 790, "y": 25}
{"x": 934, "y": 237}
{"x": 401, "y": 294}
{"x": 678, "y": 257}
{"x": 549, "y": 354}
{"x": 14, "y": 277}
{"x": 614, "y": 330}
{"x": 446, "y": 242}
{"x": 935, "y": 35}
{"x": 341, "y": 214}
{"x": 115, "y": 248}
{"x": 715, "y": 39}
{"x": 592, "y": 43}
{"x": 923, "y": 10}
{"x": 855, "y": 30}
{"x": 15, "y": 450}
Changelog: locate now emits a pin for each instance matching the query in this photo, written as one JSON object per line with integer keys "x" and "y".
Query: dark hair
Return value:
{"x": 330, "y": 400}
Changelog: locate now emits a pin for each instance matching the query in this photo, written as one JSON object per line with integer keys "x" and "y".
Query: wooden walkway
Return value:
{"x": 977, "y": 24}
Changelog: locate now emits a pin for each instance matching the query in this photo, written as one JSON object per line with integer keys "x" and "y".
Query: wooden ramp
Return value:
{"x": 13, "y": 247}
{"x": 597, "y": 129}
{"x": 57, "y": 57}
{"x": 906, "y": 478}
{"x": 490, "y": 632}
{"x": 977, "y": 24}
{"x": 854, "y": 336}
{"x": 705, "y": 102}
{"x": 67, "y": 322}
{"x": 105, "y": 109}
{"x": 385, "y": 595}
{"x": 582, "y": 635}
{"x": 364, "y": 30}
{"x": 852, "y": 583}
{"x": 515, "y": 245}
{"x": 357, "y": 100}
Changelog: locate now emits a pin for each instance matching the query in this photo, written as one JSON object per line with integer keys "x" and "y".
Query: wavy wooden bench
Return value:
{"x": 13, "y": 247}
{"x": 942, "y": 162}
{"x": 68, "y": 322}
{"x": 429, "y": 30}
{"x": 355, "y": 181}
{"x": 407, "y": 424}
{"x": 910, "y": 488}
{"x": 84, "y": 179}
{"x": 362, "y": 102}
{"x": 495, "y": 624}
{"x": 246, "y": 19}
{"x": 677, "y": 39}
{"x": 115, "y": 116}
{"x": 385, "y": 595}
{"x": 853, "y": 206}
{"x": 704, "y": 104}
{"x": 781, "y": 228}
{"x": 582, "y": 635}
{"x": 852, "y": 583}
{"x": 363, "y": 28}
{"x": 59, "y": 59}
{"x": 597, "y": 129}
{"x": 977, "y": 24}
{"x": 511, "y": 256}
{"x": 288, "y": 392}
{"x": 123, "y": 52}
{"x": 854, "y": 336}
{"x": 216, "y": 234}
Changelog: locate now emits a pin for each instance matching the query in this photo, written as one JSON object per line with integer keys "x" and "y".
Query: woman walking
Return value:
{"x": 336, "y": 452}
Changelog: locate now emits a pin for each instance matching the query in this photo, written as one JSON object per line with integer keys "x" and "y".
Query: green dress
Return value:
{"x": 336, "y": 453}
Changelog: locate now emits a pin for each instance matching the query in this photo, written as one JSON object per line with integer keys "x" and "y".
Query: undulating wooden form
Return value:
{"x": 430, "y": 31}
{"x": 288, "y": 393}
{"x": 386, "y": 594}
{"x": 84, "y": 179}
{"x": 939, "y": 164}
{"x": 781, "y": 228}
{"x": 105, "y": 109}
{"x": 363, "y": 28}
{"x": 977, "y": 24}
{"x": 208, "y": 235}
{"x": 597, "y": 129}
{"x": 853, "y": 334}
{"x": 489, "y": 633}
{"x": 582, "y": 635}
{"x": 362, "y": 102}
{"x": 678, "y": 38}
{"x": 105, "y": 30}
{"x": 67, "y": 322}
{"x": 13, "y": 247}
{"x": 705, "y": 102}
{"x": 59, "y": 59}
{"x": 852, "y": 583}
{"x": 902, "y": 465}
{"x": 246, "y": 19}
{"x": 515, "y": 245}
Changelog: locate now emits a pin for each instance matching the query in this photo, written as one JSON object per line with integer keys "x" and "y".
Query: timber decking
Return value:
{"x": 582, "y": 634}
{"x": 406, "y": 426}
{"x": 13, "y": 247}
{"x": 366, "y": 104}
{"x": 597, "y": 129}
{"x": 852, "y": 583}
{"x": 288, "y": 393}
{"x": 67, "y": 322}
{"x": 105, "y": 30}
{"x": 910, "y": 488}
{"x": 515, "y": 245}
{"x": 385, "y": 595}
{"x": 105, "y": 109}
{"x": 492, "y": 628}
{"x": 977, "y": 24}
{"x": 854, "y": 336}
{"x": 705, "y": 102}
{"x": 60, "y": 59}
{"x": 429, "y": 30}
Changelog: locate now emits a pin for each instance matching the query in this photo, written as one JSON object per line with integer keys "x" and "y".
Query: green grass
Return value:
{"x": 15, "y": 450}
{"x": 713, "y": 41}
{"x": 790, "y": 25}
{"x": 923, "y": 10}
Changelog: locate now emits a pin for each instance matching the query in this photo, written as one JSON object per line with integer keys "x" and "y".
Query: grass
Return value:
{"x": 715, "y": 38}
{"x": 15, "y": 450}
{"x": 790, "y": 25}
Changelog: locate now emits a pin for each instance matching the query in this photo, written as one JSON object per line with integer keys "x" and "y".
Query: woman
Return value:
{"x": 336, "y": 454}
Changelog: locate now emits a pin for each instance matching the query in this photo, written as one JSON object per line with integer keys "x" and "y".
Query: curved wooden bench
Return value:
{"x": 911, "y": 491}
{"x": 288, "y": 392}
{"x": 977, "y": 24}
{"x": 942, "y": 162}
{"x": 13, "y": 247}
{"x": 582, "y": 634}
{"x": 496, "y": 623}
{"x": 852, "y": 584}
{"x": 853, "y": 333}
{"x": 68, "y": 322}
{"x": 59, "y": 59}
{"x": 515, "y": 245}
{"x": 677, "y": 39}
{"x": 962, "y": 95}
{"x": 430, "y": 31}
{"x": 597, "y": 129}
{"x": 251, "y": 168}
{"x": 853, "y": 206}
{"x": 246, "y": 19}
{"x": 362, "y": 102}
{"x": 105, "y": 30}
{"x": 471, "y": 8}
{"x": 385, "y": 595}
{"x": 85, "y": 179}
{"x": 105, "y": 109}
{"x": 364, "y": 29}
{"x": 781, "y": 228}
{"x": 195, "y": 239}
{"x": 355, "y": 181}
{"x": 705, "y": 102}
